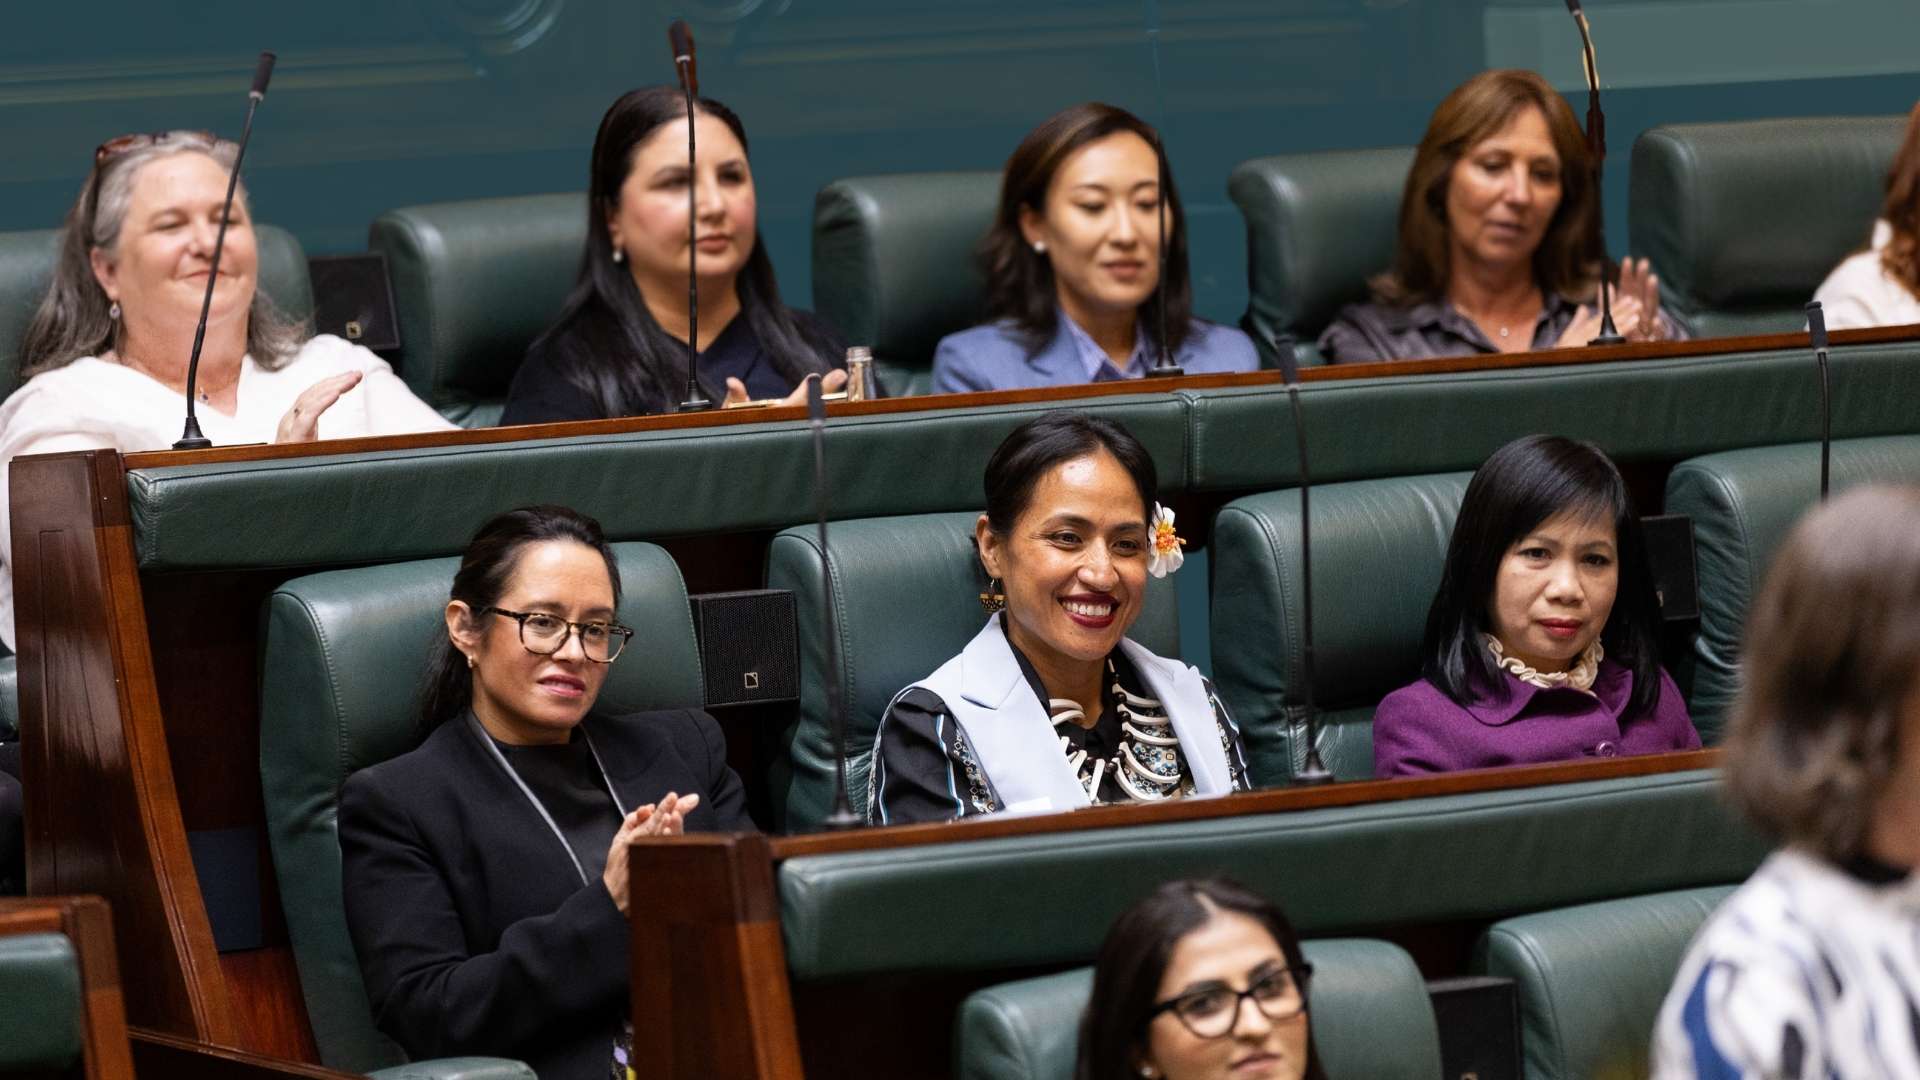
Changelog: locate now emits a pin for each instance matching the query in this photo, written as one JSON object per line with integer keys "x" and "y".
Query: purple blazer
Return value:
{"x": 1419, "y": 729}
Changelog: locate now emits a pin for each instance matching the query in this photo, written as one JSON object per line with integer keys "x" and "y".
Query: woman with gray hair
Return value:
{"x": 1812, "y": 968}
{"x": 105, "y": 359}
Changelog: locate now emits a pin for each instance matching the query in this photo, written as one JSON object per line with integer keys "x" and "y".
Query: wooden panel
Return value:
{"x": 88, "y": 924}
{"x": 710, "y": 997}
{"x": 101, "y": 809}
{"x": 161, "y": 1056}
{"x": 932, "y": 403}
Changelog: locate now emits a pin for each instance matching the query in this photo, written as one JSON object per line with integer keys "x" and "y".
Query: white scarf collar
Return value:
{"x": 1579, "y": 676}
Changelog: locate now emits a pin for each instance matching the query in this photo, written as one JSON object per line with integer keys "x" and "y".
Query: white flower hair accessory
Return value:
{"x": 1166, "y": 556}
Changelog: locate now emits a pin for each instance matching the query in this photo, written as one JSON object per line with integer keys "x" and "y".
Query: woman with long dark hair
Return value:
{"x": 619, "y": 347}
{"x": 1072, "y": 265}
{"x": 1540, "y": 644}
{"x": 485, "y": 872}
{"x": 1202, "y": 980}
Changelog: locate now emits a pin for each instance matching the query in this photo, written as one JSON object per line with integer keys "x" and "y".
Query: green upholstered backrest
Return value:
{"x": 1591, "y": 978}
{"x": 1743, "y": 503}
{"x": 1744, "y": 220}
{"x": 1318, "y": 226}
{"x": 43, "y": 1011}
{"x": 894, "y": 268}
{"x": 906, "y": 599}
{"x": 26, "y": 269}
{"x": 1050, "y": 897}
{"x": 1378, "y": 548}
{"x": 1370, "y": 1015}
{"x": 474, "y": 283}
{"x": 345, "y": 651}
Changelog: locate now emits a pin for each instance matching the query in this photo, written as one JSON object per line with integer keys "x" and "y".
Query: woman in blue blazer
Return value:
{"x": 1073, "y": 267}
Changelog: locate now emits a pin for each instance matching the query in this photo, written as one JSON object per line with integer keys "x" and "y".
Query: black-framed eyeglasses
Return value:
{"x": 543, "y": 634}
{"x": 1214, "y": 1012}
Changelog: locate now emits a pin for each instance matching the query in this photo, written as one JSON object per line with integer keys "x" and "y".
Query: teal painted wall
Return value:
{"x": 383, "y": 103}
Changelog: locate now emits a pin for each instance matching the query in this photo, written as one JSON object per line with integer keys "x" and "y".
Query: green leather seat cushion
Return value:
{"x": 42, "y": 1008}
{"x": 1379, "y": 547}
{"x": 1723, "y": 211}
{"x": 906, "y": 600}
{"x": 1743, "y": 503}
{"x": 474, "y": 282}
{"x": 345, "y": 651}
{"x": 466, "y": 1068}
{"x": 1318, "y": 226}
{"x": 894, "y": 268}
{"x": 1369, "y": 1010}
{"x": 1046, "y": 899}
{"x": 411, "y": 504}
{"x": 1591, "y": 978}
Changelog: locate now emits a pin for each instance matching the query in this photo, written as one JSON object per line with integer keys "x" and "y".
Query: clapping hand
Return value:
{"x": 668, "y": 817}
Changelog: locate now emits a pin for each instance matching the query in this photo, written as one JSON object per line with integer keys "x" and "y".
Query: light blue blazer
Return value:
{"x": 993, "y": 356}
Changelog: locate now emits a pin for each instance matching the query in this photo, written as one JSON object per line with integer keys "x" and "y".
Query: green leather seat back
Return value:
{"x": 26, "y": 268}
{"x": 1318, "y": 226}
{"x": 906, "y": 599}
{"x": 1378, "y": 548}
{"x": 894, "y": 268}
{"x": 1369, "y": 1010}
{"x": 474, "y": 283}
{"x": 1591, "y": 978}
{"x": 345, "y": 652}
{"x": 1743, "y": 503}
{"x": 42, "y": 1009}
{"x": 1744, "y": 220}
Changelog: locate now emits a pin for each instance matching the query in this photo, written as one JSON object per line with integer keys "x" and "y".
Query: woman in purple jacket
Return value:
{"x": 1540, "y": 644}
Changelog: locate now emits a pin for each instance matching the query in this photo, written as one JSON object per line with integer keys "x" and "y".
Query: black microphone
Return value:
{"x": 1163, "y": 365}
{"x": 191, "y": 438}
{"x": 842, "y": 816}
{"x": 1817, "y": 334}
{"x": 1313, "y": 771}
{"x": 680, "y": 38}
{"x": 1597, "y": 149}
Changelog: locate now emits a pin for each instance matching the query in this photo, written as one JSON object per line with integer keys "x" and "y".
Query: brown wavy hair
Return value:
{"x": 1476, "y": 110}
{"x": 1020, "y": 284}
{"x": 1830, "y": 665}
{"x": 1901, "y": 257}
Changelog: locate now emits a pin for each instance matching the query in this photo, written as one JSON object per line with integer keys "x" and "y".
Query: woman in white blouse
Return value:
{"x": 1881, "y": 285}
{"x": 106, "y": 356}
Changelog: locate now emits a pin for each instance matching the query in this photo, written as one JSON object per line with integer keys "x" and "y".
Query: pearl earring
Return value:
{"x": 619, "y": 256}
{"x": 470, "y": 660}
{"x": 1039, "y": 247}
{"x": 114, "y": 311}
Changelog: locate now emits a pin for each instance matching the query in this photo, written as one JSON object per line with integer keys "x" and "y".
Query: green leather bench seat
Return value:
{"x": 26, "y": 268}
{"x": 894, "y": 268}
{"x": 1042, "y": 900}
{"x": 886, "y": 641}
{"x": 1591, "y": 978}
{"x": 1743, "y": 503}
{"x": 344, "y": 655}
{"x": 474, "y": 283}
{"x": 1379, "y": 546}
{"x": 1318, "y": 226}
{"x": 1743, "y": 221}
{"x": 42, "y": 1009}
{"x": 1660, "y": 410}
{"x": 409, "y": 504}
{"x": 1370, "y": 1014}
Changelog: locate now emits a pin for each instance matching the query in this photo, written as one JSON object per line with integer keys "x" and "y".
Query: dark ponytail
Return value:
{"x": 485, "y": 569}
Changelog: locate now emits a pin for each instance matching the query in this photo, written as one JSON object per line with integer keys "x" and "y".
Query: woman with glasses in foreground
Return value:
{"x": 1202, "y": 980}
{"x": 485, "y": 872}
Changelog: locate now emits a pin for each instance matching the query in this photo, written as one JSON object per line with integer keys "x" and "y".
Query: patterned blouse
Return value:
{"x": 1809, "y": 970}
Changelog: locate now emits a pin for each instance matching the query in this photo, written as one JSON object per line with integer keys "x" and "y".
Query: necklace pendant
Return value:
{"x": 1503, "y": 331}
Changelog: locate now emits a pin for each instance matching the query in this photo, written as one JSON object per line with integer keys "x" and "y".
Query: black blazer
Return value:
{"x": 474, "y": 933}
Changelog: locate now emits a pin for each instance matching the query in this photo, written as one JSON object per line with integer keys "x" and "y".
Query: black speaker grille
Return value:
{"x": 749, "y": 647}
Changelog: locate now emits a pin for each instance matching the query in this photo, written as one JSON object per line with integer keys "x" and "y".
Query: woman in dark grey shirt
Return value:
{"x": 1495, "y": 227}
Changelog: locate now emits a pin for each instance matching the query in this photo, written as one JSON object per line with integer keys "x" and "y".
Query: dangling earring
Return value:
{"x": 470, "y": 661}
{"x": 619, "y": 256}
{"x": 993, "y": 599}
{"x": 114, "y": 311}
{"x": 1039, "y": 247}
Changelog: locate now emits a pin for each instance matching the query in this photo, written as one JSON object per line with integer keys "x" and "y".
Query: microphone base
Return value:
{"x": 695, "y": 404}
{"x": 842, "y": 820}
{"x": 1313, "y": 775}
{"x": 191, "y": 438}
{"x": 1608, "y": 339}
{"x": 1166, "y": 371}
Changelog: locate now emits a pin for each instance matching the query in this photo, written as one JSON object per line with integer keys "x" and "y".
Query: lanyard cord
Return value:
{"x": 487, "y": 741}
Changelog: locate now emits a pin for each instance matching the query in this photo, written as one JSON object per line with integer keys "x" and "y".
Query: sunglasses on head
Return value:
{"x": 118, "y": 145}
